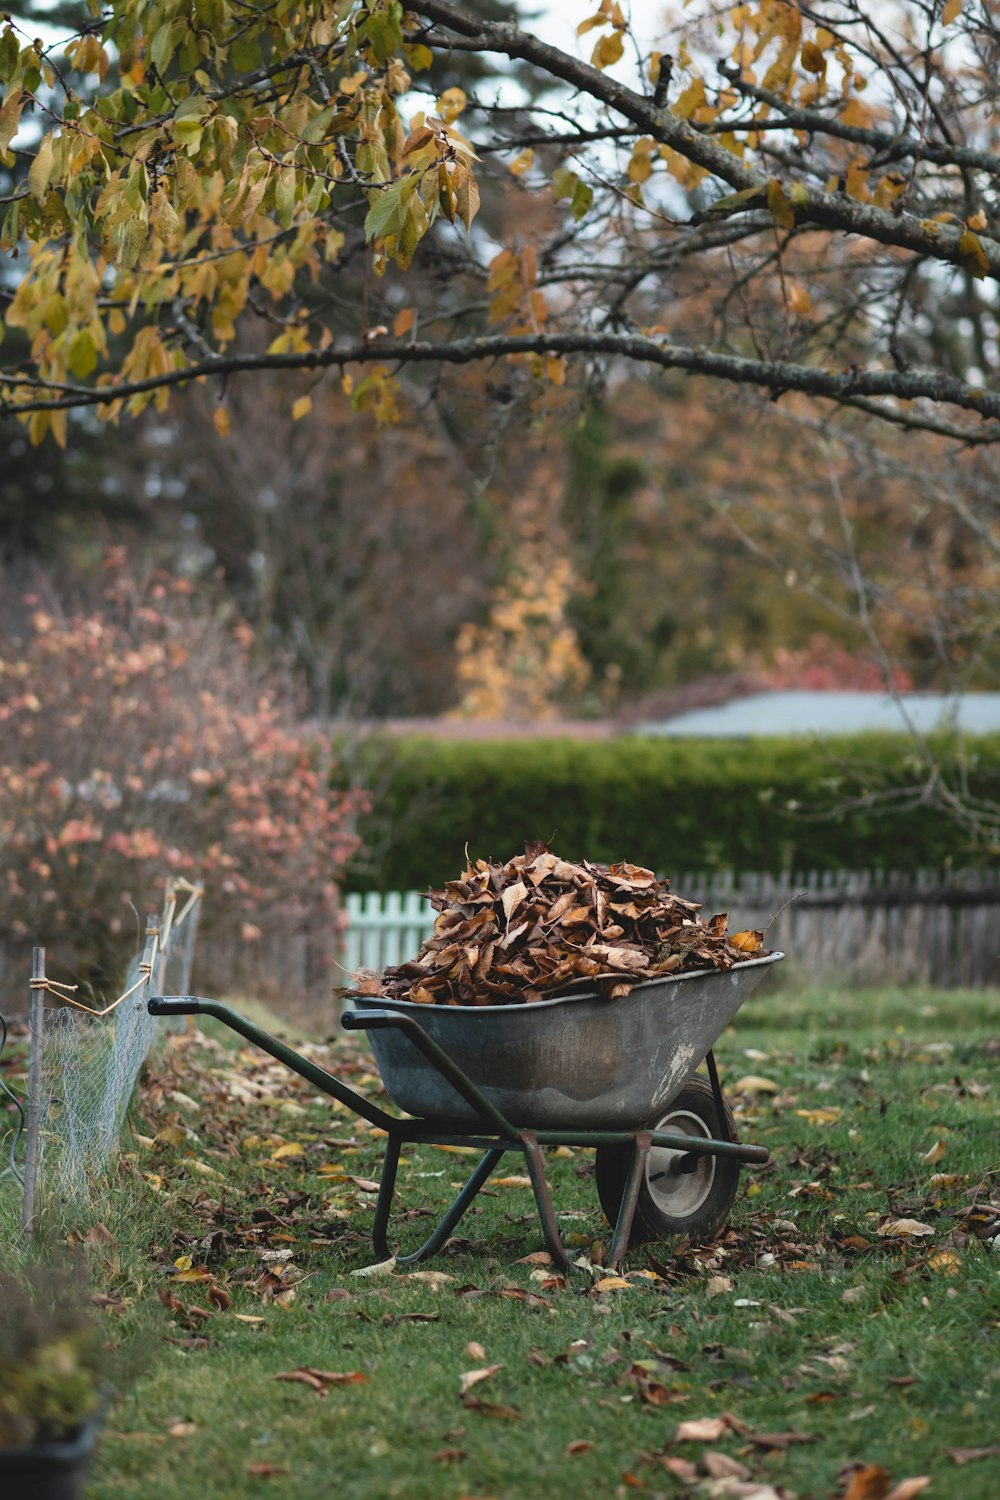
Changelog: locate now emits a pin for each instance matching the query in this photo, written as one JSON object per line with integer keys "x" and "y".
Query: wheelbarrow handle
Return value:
{"x": 388, "y": 1020}
{"x": 199, "y": 1005}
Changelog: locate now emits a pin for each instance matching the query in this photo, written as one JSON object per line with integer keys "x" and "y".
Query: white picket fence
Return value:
{"x": 874, "y": 927}
{"x": 385, "y": 927}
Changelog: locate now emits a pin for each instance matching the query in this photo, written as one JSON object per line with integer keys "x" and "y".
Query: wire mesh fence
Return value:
{"x": 84, "y": 1063}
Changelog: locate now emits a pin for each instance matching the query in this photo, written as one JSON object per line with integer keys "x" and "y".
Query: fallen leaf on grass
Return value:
{"x": 265, "y": 1471}
{"x": 365, "y": 1184}
{"x": 682, "y": 1469}
{"x": 970, "y": 1455}
{"x": 907, "y": 1228}
{"x": 181, "y": 1429}
{"x": 515, "y": 1181}
{"x": 433, "y": 1279}
{"x": 491, "y": 1408}
{"x": 380, "y": 1268}
{"x": 945, "y": 1262}
{"x": 779, "y": 1440}
{"x": 475, "y": 1351}
{"x": 612, "y": 1284}
{"x": 449, "y": 1455}
{"x": 322, "y": 1380}
{"x": 868, "y": 1483}
{"x": 753, "y": 1084}
{"x": 721, "y": 1466}
{"x": 573, "y": 1450}
{"x": 469, "y": 1378}
{"x": 701, "y": 1430}
{"x": 936, "y": 1152}
{"x": 820, "y": 1116}
{"x": 906, "y": 1489}
{"x": 715, "y": 1286}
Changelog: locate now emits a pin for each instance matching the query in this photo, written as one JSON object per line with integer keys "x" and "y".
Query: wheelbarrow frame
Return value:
{"x": 495, "y": 1139}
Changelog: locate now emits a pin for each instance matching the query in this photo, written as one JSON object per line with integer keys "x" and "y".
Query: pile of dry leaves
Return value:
{"x": 539, "y": 926}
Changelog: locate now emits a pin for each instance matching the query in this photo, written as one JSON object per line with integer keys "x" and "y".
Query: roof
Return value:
{"x": 832, "y": 713}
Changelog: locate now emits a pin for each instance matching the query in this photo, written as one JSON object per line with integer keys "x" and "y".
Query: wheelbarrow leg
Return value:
{"x": 543, "y": 1200}
{"x": 630, "y": 1199}
{"x": 383, "y": 1205}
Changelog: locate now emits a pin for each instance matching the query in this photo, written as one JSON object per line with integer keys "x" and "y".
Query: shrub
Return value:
{"x": 141, "y": 738}
{"x": 674, "y": 805}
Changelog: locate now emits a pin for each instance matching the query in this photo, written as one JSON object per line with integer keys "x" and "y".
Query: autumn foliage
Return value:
{"x": 142, "y": 740}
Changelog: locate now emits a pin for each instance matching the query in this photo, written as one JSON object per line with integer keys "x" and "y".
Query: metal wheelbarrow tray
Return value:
{"x": 581, "y": 1070}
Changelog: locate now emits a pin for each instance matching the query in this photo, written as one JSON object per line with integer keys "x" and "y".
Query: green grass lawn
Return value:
{"x": 839, "y": 1336}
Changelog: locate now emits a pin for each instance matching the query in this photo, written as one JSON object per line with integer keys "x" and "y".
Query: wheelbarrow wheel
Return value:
{"x": 693, "y": 1203}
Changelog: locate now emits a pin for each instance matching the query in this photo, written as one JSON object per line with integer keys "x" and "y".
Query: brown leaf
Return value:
{"x": 491, "y": 1408}
{"x": 682, "y": 1469}
{"x": 907, "y": 1228}
{"x": 721, "y": 1466}
{"x": 321, "y": 1380}
{"x": 572, "y": 1450}
{"x": 779, "y": 1440}
{"x": 868, "y": 1483}
{"x": 265, "y": 1471}
{"x": 449, "y": 1455}
{"x": 970, "y": 1455}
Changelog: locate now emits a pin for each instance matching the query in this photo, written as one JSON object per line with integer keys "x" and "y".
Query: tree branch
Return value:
{"x": 778, "y": 377}
{"x": 834, "y": 211}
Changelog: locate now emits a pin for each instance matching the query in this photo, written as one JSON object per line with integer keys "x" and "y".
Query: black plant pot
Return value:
{"x": 50, "y": 1471}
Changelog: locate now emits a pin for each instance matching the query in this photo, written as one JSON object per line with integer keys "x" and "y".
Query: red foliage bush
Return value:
{"x": 824, "y": 666}
{"x": 139, "y": 738}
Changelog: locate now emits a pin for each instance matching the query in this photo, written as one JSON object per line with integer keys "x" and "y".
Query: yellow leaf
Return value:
{"x": 691, "y": 99}
{"x": 403, "y": 322}
{"x": 451, "y": 104}
{"x": 951, "y": 12}
{"x": 523, "y": 161}
{"x": 945, "y": 1262}
{"x": 291, "y": 1148}
{"x": 221, "y": 421}
{"x": 781, "y": 210}
{"x": 555, "y": 368}
{"x": 612, "y": 1284}
{"x": 972, "y": 255}
{"x": 608, "y": 50}
{"x": 812, "y": 58}
{"x": 300, "y": 408}
{"x": 347, "y": 384}
{"x": 819, "y": 1116}
{"x": 936, "y": 1152}
{"x": 747, "y": 941}
{"x": 514, "y": 1181}
{"x": 171, "y": 1135}
{"x": 184, "y": 1263}
{"x": 799, "y": 299}
{"x": 752, "y": 1084}
{"x": 40, "y": 170}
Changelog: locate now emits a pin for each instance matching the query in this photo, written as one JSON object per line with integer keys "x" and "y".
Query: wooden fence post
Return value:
{"x": 35, "y": 1076}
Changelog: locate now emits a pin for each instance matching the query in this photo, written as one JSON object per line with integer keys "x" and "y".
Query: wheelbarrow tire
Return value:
{"x": 694, "y": 1204}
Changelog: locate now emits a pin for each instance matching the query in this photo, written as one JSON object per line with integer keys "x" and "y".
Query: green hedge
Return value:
{"x": 674, "y": 805}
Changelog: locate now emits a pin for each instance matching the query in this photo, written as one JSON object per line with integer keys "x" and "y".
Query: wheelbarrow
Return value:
{"x": 580, "y": 1070}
